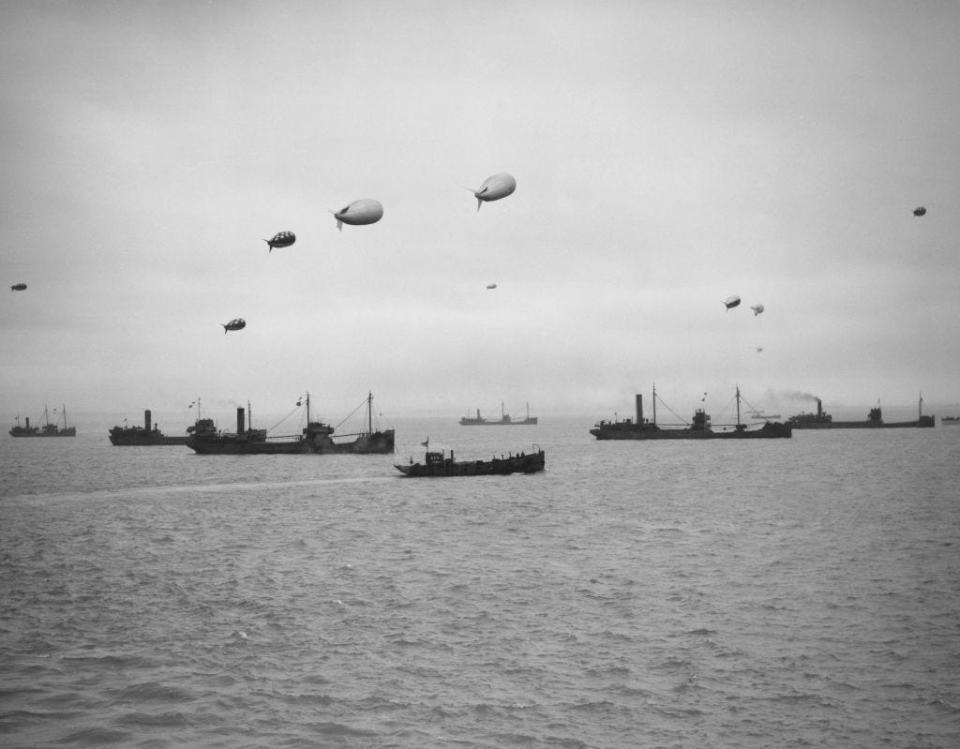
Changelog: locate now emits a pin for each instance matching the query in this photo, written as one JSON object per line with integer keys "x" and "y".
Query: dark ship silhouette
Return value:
{"x": 437, "y": 464}
{"x": 823, "y": 420}
{"x": 316, "y": 438}
{"x": 145, "y": 435}
{"x": 504, "y": 420}
{"x": 700, "y": 427}
{"x": 47, "y": 430}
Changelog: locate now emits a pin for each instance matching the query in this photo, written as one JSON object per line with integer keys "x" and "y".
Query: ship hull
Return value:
{"x": 469, "y": 422}
{"x": 144, "y": 439}
{"x": 924, "y": 423}
{"x": 21, "y": 432}
{"x": 377, "y": 443}
{"x": 436, "y": 466}
{"x": 632, "y": 432}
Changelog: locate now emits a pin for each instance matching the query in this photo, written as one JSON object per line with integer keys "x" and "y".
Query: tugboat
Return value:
{"x": 316, "y": 438}
{"x": 700, "y": 428}
{"x": 823, "y": 420}
{"x": 143, "y": 435}
{"x": 47, "y": 430}
{"x": 505, "y": 419}
{"x": 437, "y": 464}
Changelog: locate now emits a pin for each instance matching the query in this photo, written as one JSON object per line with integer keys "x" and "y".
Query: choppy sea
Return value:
{"x": 781, "y": 593}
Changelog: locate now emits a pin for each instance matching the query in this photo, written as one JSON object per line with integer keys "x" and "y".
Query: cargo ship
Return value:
{"x": 316, "y": 438}
{"x": 47, "y": 430}
{"x": 437, "y": 464}
{"x": 874, "y": 420}
{"x": 700, "y": 427}
{"x": 145, "y": 435}
{"x": 504, "y": 420}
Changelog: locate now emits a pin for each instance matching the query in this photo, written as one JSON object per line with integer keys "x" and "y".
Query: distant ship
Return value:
{"x": 823, "y": 420}
{"x": 950, "y": 419}
{"x": 47, "y": 430}
{"x": 505, "y": 419}
{"x": 316, "y": 438}
{"x": 700, "y": 428}
{"x": 143, "y": 435}
{"x": 436, "y": 464}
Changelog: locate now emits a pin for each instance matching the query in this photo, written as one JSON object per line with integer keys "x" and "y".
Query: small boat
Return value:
{"x": 699, "y": 428}
{"x": 874, "y": 420}
{"x": 143, "y": 435}
{"x": 437, "y": 464}
{"x": 47, "y": 430}
{"x": 505, "y": 419}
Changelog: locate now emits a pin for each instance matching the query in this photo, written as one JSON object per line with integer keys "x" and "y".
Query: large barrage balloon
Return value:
{"x": 731, "y": 301}
{"x": 281, "y": 239}
{"x": 237, "y": 323}
{"x": 495, "y": 187}
{"x": 359, "y": 212}
{"x": 757, "y": 309}
{"x": 920, "y": 211}
{"x": 18, "y": 287}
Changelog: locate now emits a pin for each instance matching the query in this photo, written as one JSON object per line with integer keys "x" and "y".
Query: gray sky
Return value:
{"x": 667, "y": 154}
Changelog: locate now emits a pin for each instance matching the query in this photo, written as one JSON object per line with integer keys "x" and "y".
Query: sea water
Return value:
{"x": 787, "y": 593}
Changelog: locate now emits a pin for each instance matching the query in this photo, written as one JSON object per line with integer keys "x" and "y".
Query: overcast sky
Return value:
{"x": 667, "y": 155}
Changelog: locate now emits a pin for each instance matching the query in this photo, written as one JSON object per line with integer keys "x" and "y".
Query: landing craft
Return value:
{"x": 757, "y": 309}
{"x": 495, "y": 187}
{"x": 237, "y": 323}
{"x": 359, "y": 212}
{"x": 731, "y": 301}
{"x": 919, "y": 211}
{"x": 18, "y": 287}
{"x": 281, "y": 239}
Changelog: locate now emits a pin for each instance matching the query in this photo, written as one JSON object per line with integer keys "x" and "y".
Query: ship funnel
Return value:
{"x": 819, "y": 408}
{"x": 146, "y": 420}
{"x": 240, "y": 419}
{"x": 639, "y": 408}
{"x": 28, "y": 422}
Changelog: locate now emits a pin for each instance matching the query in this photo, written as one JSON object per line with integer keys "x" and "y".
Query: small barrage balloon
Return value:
{"x": 757, "y": 309}
{"x": 18, "y": 287}
{"x": 281, "y": 239}
{"x": 237, "y": 323}
{"x": 920, "y": 211}
{"x": 491, "y": 286}
{"x": 731, "y": 301}
{"x": 359, "y": 213}
{"x": 494, "y": 188}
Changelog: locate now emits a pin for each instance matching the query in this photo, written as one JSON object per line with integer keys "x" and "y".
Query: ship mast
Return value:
{"x": 654, "y": 404}
{"x": 369, "y": 412}
{"x": 738, "y": 407}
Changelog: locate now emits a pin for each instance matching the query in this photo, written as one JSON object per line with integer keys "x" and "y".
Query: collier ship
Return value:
{"x": 316, "y": 438}
{"x": 143, "y": 435}
{"x": 822, "y": 420}
{"x": 436, "y": 464}
{"x": 699, "y": 429}
{"x": 47, "y": 430}
{"x": 505, "y": 419}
